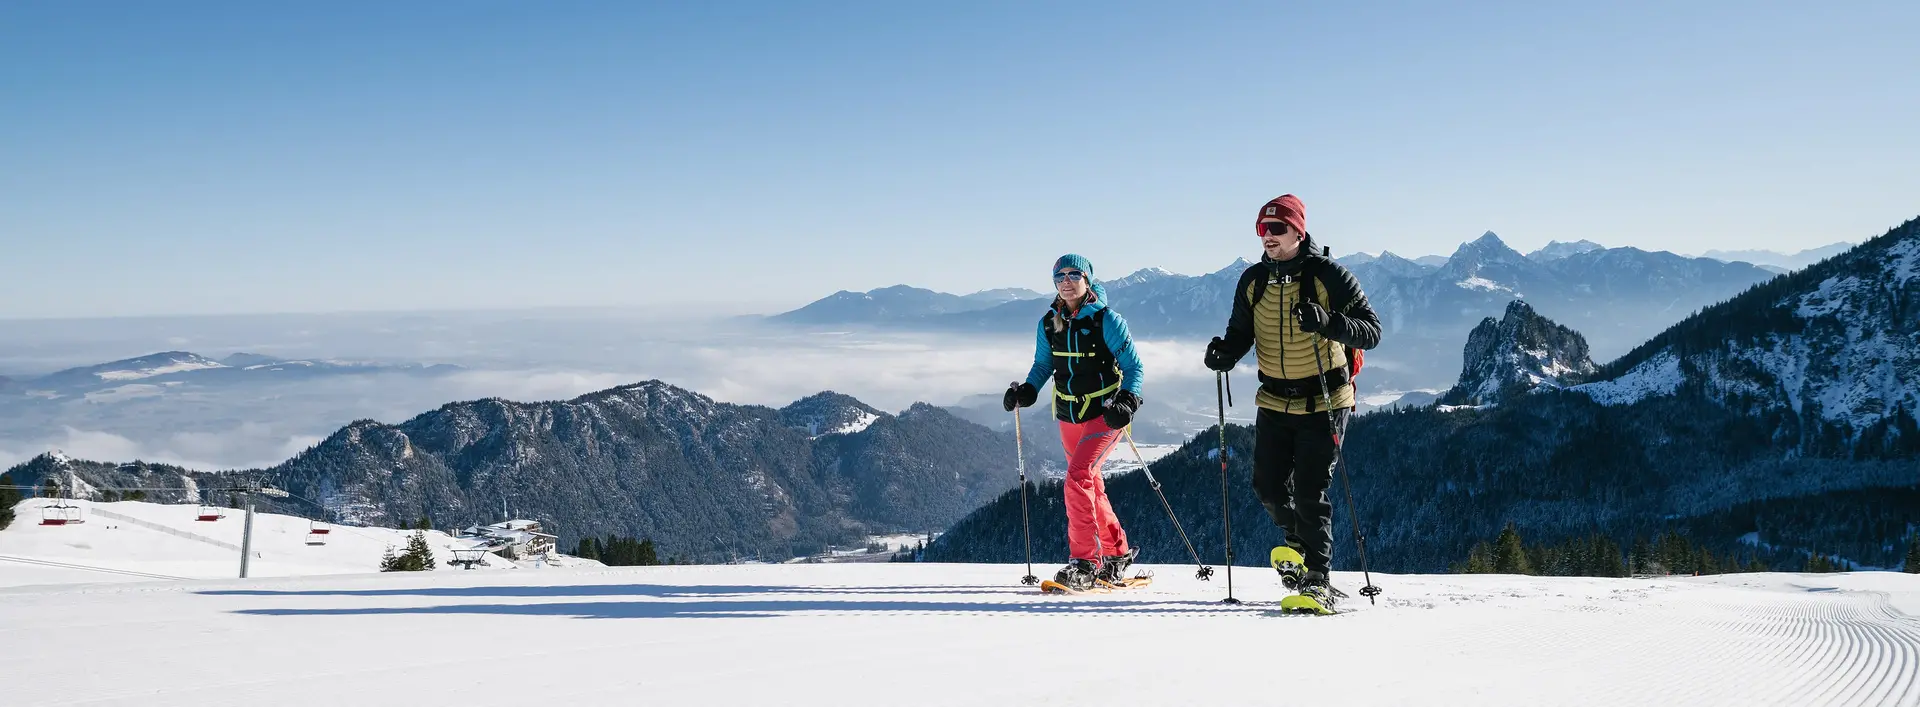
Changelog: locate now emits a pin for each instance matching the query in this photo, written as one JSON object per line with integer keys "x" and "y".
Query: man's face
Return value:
{"x": 1279, "y": 239}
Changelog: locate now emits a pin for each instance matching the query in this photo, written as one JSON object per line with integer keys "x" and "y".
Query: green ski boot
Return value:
{"x": 1317, "y": 596}
{"x": 1291, "y": 566}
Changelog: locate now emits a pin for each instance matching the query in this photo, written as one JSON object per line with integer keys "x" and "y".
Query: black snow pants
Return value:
{"x": 1293, "y": 457}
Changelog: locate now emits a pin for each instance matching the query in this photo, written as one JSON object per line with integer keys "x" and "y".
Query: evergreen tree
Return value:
{"x": 1818, "y": 563}
{"x": 1642, "y": 558}
{"x": 1510, "y": 554}
{"x": 1607, "y": 559}
{"x": 424, "y": 524}
{"x": 588, "y": 549}
{"x": 9, "y": 498}
{"x": 1479, "y": 560}
{"x": 418, "y": 550}
{"x": 1913, "y": 550}
{"x": 616, "y": 551}
{"x": 417, "y": 557}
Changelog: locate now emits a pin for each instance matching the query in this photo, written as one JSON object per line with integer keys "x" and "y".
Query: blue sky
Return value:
{"x": 259, "y": 157}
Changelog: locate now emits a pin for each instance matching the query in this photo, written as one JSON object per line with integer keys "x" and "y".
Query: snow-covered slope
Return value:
{"x": 133, "y": 541}
{"x": 904, "y": 634}
{"x": 1838, "y": 342}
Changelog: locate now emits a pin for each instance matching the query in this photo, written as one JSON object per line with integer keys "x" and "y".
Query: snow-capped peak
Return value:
{"x": 1556, "y": 250}
{"x": 1143, "y": 275}
{"x": 1487, "y": 248}
{"x": 159, "y": 364}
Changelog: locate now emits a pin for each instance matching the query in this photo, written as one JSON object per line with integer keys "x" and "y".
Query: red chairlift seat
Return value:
{"x": 210, "y": 513}
{"x": 317, "y": 532}
{"x": 61, "y": 514}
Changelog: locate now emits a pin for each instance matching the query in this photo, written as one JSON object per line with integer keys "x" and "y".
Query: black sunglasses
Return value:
{"x": 1273, "y": 228}
{"x": 1073, "y": 275}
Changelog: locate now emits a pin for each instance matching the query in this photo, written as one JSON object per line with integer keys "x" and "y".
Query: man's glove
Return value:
{"x": 1312, "y": 317}
{"x": 1217, "y": 355}
{"x": 1120, "y": 409}
{"x": 1019, "y": 395}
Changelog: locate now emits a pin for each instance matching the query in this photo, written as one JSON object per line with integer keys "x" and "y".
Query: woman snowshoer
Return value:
{"x": 1085, "y": 347}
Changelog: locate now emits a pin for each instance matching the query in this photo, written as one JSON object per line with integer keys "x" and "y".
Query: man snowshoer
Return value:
{"x": 1085, "y": 347}
{"x": 1303, "y": 314}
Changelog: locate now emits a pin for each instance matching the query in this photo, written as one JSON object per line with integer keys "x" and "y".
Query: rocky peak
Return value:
{"x": 1488, "y": 248}
{"x": 1556, "y": 250}
{"x": 1517, "y": 353}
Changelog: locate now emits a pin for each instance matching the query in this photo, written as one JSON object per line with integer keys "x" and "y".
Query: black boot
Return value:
{"x": 1077, "y": 575}
{"x": 1113, "y": 568}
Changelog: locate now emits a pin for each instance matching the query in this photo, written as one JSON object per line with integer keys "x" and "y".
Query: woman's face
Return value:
{"x": 1070, "y": 283}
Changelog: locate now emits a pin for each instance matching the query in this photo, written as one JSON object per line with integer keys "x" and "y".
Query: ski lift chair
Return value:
{"x": 210, "y": 513}
{"x": 467, "y": 557}
{"x": 52, "y": 515}
{"x": 317, "y": 532}
{"x": 61, "y": 514}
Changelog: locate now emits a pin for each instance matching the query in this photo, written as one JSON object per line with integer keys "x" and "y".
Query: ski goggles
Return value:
{"x": 1271, "y": 228}
{"x": 1066, "y": 275}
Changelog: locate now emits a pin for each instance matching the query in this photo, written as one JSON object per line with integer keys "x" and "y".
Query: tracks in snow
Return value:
{"x": 89, "y": 568}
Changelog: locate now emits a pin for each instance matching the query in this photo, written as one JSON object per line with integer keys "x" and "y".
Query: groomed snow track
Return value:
{"x": 898, "y": 634}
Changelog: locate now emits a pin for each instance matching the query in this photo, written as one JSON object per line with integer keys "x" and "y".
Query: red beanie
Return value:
{"x": 1286, "y": 207}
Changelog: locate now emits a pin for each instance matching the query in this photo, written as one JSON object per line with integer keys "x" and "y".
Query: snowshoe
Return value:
{"x": 1134, "y": 582}
{"x": 1291, "y": 566}
{"x": 1316, "y": 596}
{"x": 1076, "y": 577}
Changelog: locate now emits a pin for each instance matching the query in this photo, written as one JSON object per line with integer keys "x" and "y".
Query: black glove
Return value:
{"x": 1313, "y": 318}
{"x": 1120, "y": 409}
{"x": 1019, "y": 395}
{"x": 1217, "y": 355}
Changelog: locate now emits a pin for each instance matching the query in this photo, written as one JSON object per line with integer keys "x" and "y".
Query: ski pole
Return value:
{"x": 1026, "y": 533}
{"x": 1205, "y": 572}
{"x": 1353, "y": 519}
{"x": 1220, "y": 391}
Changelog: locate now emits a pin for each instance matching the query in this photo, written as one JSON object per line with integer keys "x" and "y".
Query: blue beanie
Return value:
{"x": 1075, "y": 261}
{"x": 1080, "y": 262}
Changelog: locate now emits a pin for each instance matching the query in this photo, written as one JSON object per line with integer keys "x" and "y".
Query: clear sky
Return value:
{"x": 198, "y": 157}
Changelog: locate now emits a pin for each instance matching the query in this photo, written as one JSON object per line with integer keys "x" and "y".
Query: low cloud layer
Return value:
{"x": 528, "y": 361}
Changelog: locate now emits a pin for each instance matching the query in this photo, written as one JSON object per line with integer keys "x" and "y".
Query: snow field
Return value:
{"x": 902, "y": 634}
{"x": 164, "y": 539}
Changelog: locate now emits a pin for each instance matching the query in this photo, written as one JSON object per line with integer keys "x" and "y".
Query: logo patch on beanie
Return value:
{"x": 1273, "y": 210}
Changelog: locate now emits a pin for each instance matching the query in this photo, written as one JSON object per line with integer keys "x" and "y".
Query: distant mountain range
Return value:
{"x": 1777, "y": 261}
{"x": 154, "y": 374}
{"x": 1616, "y": 296}
{"x": 898, "y": 303}
{"x": 1779, "y": 423}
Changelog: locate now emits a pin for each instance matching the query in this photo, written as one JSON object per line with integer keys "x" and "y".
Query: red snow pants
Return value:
{"x": 1092, "y": 530}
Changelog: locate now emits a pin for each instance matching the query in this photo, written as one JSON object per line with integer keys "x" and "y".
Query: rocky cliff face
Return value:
{"x": 1516, "y": 354}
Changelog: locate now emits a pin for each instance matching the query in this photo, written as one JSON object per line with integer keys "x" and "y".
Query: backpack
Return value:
{"x": 1356, "y": 358}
